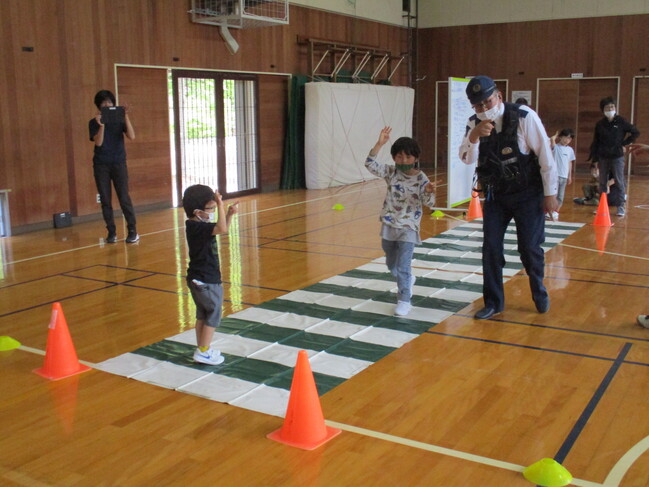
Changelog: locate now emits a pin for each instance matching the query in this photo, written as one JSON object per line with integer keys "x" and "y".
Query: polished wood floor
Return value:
{"x": 469, "y": 403}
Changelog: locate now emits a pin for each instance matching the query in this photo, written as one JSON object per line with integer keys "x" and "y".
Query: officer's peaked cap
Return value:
{"x": 480, "y": 88}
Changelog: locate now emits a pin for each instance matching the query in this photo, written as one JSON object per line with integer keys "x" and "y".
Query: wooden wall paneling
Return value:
{"x": 273, "y": 103}
{"x": 84, "y": 79}
{"x": 558, "y": 104}
{"x": 9, "y": 150}
{"x": 591, "y": 91}
{"x": 526, "y": 51}
{"x": 640, "y": 162}
{"x": 39, "y": 180}
{"x": 558, "y": 101}
{"x": 145, "y": 91}
{"x": 440, "y": 159}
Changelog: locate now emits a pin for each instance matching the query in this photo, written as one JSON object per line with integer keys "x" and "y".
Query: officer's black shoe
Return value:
{"x": 111, "y": 238}
{"x": 542, "y": 304}
{"x": 486, "y": 313}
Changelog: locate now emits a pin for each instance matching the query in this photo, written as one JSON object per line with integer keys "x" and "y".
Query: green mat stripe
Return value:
{"x": 348, "y": 316}
{"x": 280, "y": 376}
{"x": 243, "y": 368}
{"x": 424, "y": 281}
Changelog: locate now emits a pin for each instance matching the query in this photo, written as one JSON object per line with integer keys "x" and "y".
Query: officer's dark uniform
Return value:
{"x": 513, "y": 188}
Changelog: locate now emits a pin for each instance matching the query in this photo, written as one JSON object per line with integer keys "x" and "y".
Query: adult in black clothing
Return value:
{"x": 612, "y": 134}
{"x": 109, "y": 165}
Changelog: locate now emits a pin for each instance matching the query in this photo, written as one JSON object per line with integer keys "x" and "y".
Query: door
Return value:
{"x": 640, "y": 162}
{"x": 574, "y": 103}
{"x": 215, "y": 131}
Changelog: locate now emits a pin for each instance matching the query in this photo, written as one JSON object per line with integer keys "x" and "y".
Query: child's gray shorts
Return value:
{"x": 209, "y": 300}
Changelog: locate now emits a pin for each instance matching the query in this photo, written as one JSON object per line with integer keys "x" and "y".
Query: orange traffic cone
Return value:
{"x": 603, "y": 217}
{"x": 304, "y": 425}
{"x": 60, "y": 357}
{"x": 475, "y": 210}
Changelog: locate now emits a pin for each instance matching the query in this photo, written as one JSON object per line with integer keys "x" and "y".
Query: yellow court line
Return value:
{"x": 604, "y": 252}
{"x": 446, "y": 451}
{"x": 173, "y": 229}
{"x": 613, "y": 480}
{"x": 42, "y": 352}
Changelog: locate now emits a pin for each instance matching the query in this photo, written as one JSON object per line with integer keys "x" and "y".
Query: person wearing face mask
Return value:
{"x": 109, "y": 164}
{"x": 518, "y": 176}
{"x": 408, "y": 189}
{"x": 206, "y": 218}
{"x": 612, "y": 134}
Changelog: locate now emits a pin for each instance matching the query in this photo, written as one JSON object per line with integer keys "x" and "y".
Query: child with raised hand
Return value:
{"x": 206, "y": 218}
{"x": 408, "y": 189}
{"x": 564, "y": 156}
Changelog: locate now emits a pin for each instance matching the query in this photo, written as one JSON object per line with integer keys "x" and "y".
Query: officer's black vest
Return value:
{"x": 502, "y": 168}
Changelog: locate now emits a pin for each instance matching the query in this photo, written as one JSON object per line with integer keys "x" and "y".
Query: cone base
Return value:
{"x": 277, "y": 436}
{"x": 43, "y": 373}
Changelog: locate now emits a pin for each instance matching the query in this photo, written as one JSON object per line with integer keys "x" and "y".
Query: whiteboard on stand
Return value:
{"x": 460, "y": 175}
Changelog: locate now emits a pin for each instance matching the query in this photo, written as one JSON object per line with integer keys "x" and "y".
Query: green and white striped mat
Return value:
{"x": 345, "y": 323}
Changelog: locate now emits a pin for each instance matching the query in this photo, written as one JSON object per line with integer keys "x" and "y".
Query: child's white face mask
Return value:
{"x": 206, "y": 216}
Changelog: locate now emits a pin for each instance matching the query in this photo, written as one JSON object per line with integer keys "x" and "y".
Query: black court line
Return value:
{"x": 47, "y": 276}
{"x": 603, "y": 271}
{"x": 540, "y": 349}
{"x": 557, "y": 328}
{"x": 56, "y": 301}
{"x": 330, "y": 244}
{"x": 590, "y": 281}
{"x": 156, "y": 273}
{"x": 590, "y": 407}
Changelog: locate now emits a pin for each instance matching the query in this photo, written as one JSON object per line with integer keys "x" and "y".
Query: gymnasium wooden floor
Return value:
{"x": 468, "y": 403}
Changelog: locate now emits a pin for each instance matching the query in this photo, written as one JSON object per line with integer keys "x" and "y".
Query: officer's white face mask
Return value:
{"x": 610, "y": 114}
{"x": 490, "y": 114}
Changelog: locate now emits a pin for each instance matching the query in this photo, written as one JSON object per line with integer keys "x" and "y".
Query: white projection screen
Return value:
{"x": 342, "y": 123}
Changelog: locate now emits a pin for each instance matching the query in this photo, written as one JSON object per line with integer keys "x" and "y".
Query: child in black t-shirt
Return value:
{"x": 206, "y": 218}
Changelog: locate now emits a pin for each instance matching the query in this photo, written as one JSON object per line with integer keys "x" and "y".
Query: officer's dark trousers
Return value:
{"x": 118, "y": 175}
{"x": 525, "y": 207}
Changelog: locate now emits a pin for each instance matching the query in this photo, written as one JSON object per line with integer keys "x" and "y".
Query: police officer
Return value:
{"x": 518, "y": 177}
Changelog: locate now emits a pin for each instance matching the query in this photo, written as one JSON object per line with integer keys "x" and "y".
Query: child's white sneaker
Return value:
{"x": 209, "y": 357}
{"x": 402, "y": 308}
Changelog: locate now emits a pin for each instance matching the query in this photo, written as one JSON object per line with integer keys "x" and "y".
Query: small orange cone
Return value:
{"x": 475, "y": 210}
{"x": 304, "y": 425}
{"x": 603, "y": 217}
{"x": 60, "y": 357}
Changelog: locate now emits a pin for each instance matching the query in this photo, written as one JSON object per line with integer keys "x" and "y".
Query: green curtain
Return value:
{"x": 293, "y": 168}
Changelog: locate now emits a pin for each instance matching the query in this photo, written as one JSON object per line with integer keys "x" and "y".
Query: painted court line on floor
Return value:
{"x": 345, "y": 323}
{"x": 303, "y": 202}
{"x": 613, "y": 479}
{"x": 446, "y": 451}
